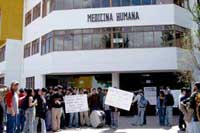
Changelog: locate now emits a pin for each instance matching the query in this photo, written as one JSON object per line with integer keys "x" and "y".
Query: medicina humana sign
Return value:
{"x": 106, "y": 17}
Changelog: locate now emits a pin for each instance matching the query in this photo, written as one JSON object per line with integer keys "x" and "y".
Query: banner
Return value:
{"x": 150, "y": 93}
{"x": 176, "y": 94}
{"x": 119, "y": 98}
{"x": 76, "y": 103}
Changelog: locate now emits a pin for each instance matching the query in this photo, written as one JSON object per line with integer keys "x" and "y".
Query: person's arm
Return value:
{"x": 31, "y": 102}
{"x": 9, "y": 104}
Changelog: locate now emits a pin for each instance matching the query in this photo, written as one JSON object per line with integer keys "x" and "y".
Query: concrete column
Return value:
{"x": 40, "y": 81}
{"x": 115, "y": 80}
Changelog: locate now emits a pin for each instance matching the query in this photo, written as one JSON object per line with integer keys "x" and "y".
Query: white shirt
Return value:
{"x": 137, "y": 98}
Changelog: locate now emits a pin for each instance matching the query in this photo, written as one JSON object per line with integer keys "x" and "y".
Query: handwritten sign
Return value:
{"x": 150, "y": 94}
{"x": 119, "y": 98}
{"x": 176, "y": 94}
{"x": 76, "y": 103}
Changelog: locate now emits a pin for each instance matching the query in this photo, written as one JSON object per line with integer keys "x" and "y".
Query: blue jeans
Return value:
{"x": 11, "y": 124}
{"x": 21, "y": 119}
{"x": 168, "y": 116}
{"x": 48, "y": 120}
{"x": 114, "y": 119}
{"x": 140, "y": 116}
{"x": 108, "y": 117}
{"x": 74, "y": 117}
{"x": 161, "y": 113}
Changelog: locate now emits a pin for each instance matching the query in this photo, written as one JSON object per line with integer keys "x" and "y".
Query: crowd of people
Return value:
{"x": 42, "y": 110}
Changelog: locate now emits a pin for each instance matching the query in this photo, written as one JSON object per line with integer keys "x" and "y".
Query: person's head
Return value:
{"x": 14, "y": 86}
{"x": 55, "y": 90}
{"x": 21, "y": 91}
{"x": 183, "y": 91}
{"x": 99, "y": 89}
{"x": 30, "y": 92}
{"x": 162, "y": 94}
{"x": 44, "y": 91}
{"x": 94, "y": 91}
{"x": 80, "y": 91}
{"x": 105, "y": 91}
{"x": 196, "y": 87}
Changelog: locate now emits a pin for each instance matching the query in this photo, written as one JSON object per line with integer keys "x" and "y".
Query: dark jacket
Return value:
{"x": 56, "y": 97}
{"x": 94, "y": 101}
{"x": 41, "y": 108}
{"x": 1, "y": 114}
{"x": 169, "y": 100}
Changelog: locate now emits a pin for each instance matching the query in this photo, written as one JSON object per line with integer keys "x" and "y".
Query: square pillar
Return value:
{"x": 115, "y": 80}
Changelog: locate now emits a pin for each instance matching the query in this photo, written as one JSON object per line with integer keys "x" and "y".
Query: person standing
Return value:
{"x": 161, "y": 108}
{"x": 94, "y": 101}
{"x": 101, "y": 96}
{"x": 57, "y": 104}
{"x": 182, "y": 97}
{"x": 107, "y": 110}
{"x": 12, "y": 108}
{"x": 41, "y": 110}
{"x": 84, "y": 116}
{"x": 74, "y": 117}
{"x": 22, "y": 96}
{"x": 48, "y": 119}
{"x": 114, "y": 117}
{"x": 1, "y": 115}
{"x": 30, "y": 125}
{"x": 141, "y": 104}
{"x": 169, "y": 103}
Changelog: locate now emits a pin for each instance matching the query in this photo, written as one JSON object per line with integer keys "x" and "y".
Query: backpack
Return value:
{"x": 24, "y": 105}
{"x": 143, "y": 102}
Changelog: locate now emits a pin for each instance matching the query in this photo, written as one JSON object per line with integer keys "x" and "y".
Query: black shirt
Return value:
{"x": 1, "y": 114}
{"x": 56, "y": 97}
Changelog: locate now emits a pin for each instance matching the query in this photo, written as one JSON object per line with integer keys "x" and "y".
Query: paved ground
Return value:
{"x": 125, "y": 126}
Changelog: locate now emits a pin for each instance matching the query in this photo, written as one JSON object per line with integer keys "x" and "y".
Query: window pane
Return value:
{"x": 50, "y": 44}
{"x": 68, "y": 42}
{"x": 68, "y": 4}
{"x": 58, "y": 46}
{"x": 125, "y": 2}
{"x": 96, "y": 3}
{"x": 106, "y": 41}
{"x": 59, "y": 4}
{"x": 96, "y": 40}
{"x": 77, "y": 42}
{"x": 105, "y": 3}
{"x": 138, "y": 39}
{"x": 158, "y": 42}
{"x": 146, "y": 2}
{"x": 148, "y": 39}
{"x": 115, "y": 2}
{"x": 77, "y": 4}
{"x": 87, "y": 3}
{"x": 136, "y": 2}
{"x": 118, "y": 40}
{"x": 87, "y": 41}
{"x": 129, "y": 40}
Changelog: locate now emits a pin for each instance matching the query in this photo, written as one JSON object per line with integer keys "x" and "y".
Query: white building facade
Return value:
{"x": 118, "y": 38}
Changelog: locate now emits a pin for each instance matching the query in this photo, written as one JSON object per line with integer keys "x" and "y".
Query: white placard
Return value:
{"x": 76, "y": 103}
{"x": 150, "y": 94}
{"x": 119, "y": 98}
{"x": 176, "y": 94}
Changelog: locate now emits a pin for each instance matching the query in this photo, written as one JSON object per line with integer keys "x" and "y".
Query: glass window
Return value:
{"x": 116, "y": 2}
{"x": 96, "y": 41}
{"x": 105, "y": 3}
{"x": 106, "y": 40}
{"x": 129, "y": 40}
{"x": 138, "y": 39}
{"x": 158, "y": 39}
{"x": 153, "y": 2}
{"x": 87, "y": 41}
{"x": 146, "y": 2}
{"x": 58, "y": 46}
{"x": 68, "y": 4}
{"x": 126, "y": 2}
{"x": 59, "y": 4}
{"x": 77, "y": 4}
{"x": 27, "y": 50}
{"x": 96, "y": 3}
{"x": 118, "y": 40}
{"x": 148, "y": 39}
{"x": 28, "y": 17}
{"x": 87, "y": 3}
{"x": 77, "y": 42}
{"x": 35, "y": 46}
{"x": 68, "y": 42}
{"x": 50, "y": 40}
{"x": 36, "y": 11}
{"x": 136, "y": 2}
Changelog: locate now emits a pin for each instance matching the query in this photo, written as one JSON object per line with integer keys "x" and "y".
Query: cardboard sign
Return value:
{"x": 76, "y": 103}
{"x": 119, "y": 98}
{"x": 150, "y": 93}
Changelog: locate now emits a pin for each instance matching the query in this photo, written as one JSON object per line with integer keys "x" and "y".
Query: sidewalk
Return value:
{"x": 125, "y": 126}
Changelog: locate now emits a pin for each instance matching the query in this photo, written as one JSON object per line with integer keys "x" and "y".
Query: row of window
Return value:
{"x": 2, "y": 54}
{"x": 31, "y": 48}
{"x": 50, "y": 5}
{"x": 105, "y": 38}
{"x": 2, "y": 80}
{"x": 33, "y": 14}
